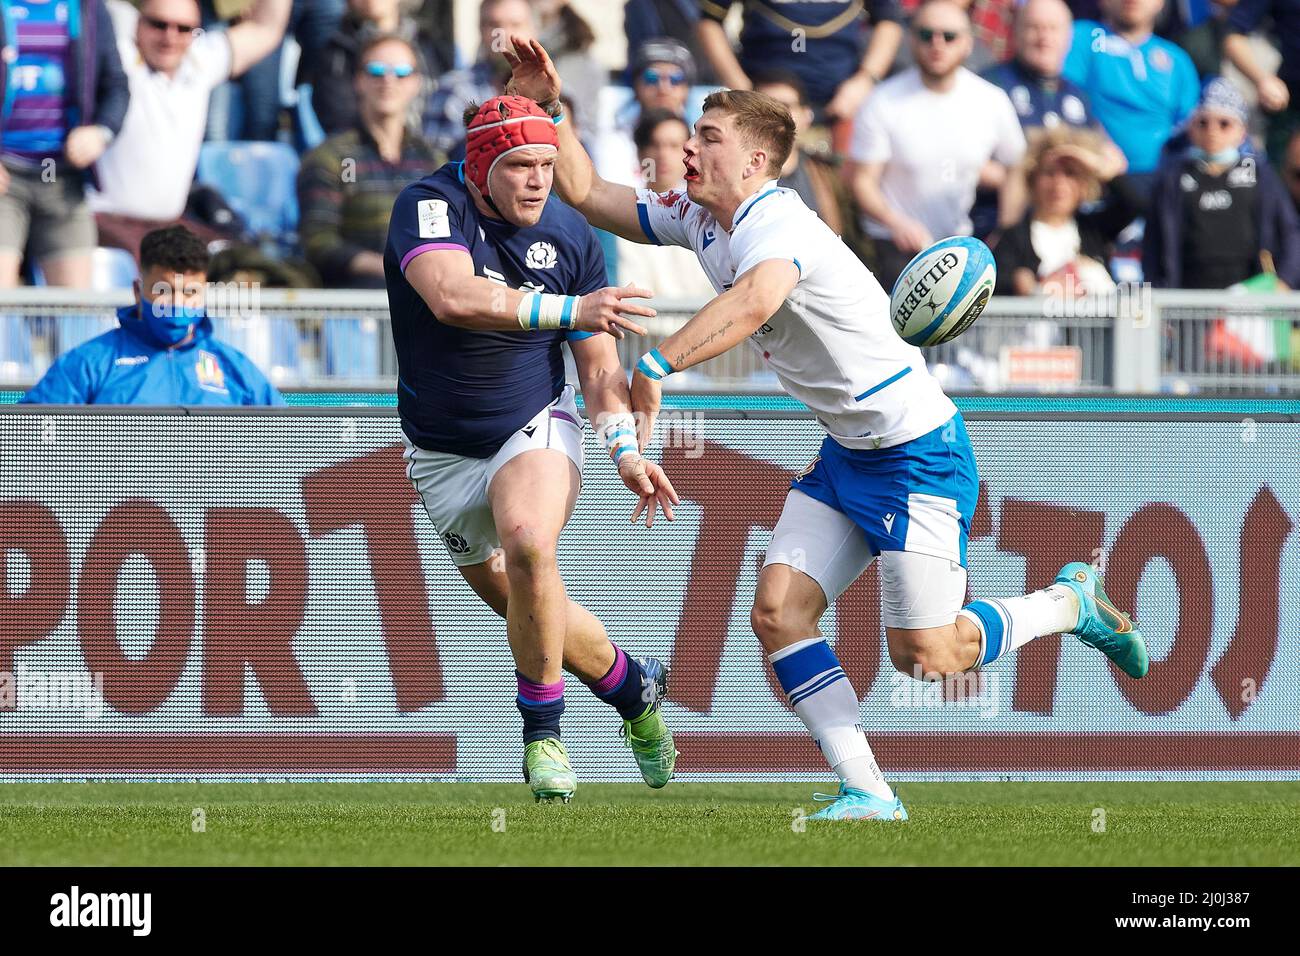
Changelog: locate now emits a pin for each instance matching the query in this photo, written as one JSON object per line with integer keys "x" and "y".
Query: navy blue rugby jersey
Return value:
{"x": 464, "y": 391}
{"x": 831, "y": 33}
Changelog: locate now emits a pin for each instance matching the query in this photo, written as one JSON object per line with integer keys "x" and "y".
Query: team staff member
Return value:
{"x": 487, "y": 277}
{"x": 163, "y": 352}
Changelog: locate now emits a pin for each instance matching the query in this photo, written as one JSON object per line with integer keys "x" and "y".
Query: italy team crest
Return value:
{"x": 209, "y": 373}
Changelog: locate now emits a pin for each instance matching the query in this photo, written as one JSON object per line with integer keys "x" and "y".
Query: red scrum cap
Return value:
{"x": 502, "y": 125}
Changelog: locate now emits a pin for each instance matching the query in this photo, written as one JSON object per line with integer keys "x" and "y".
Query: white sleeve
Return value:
{"x": 663, "y": 217}
{"x": 870, "y": 142}
{"x": 124, "y": 18}
{"x": 772, "y": 235}
{"x": 210, "y": 52}
{"x": 1010, "y": 146}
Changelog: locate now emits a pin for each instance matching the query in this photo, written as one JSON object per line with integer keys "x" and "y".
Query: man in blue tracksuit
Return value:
{"x": 164, "y": 352}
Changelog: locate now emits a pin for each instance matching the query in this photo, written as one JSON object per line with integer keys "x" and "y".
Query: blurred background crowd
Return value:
{"x": 1089, "y": 142}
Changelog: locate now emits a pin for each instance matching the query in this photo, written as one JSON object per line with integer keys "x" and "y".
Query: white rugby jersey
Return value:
{"x": 831, "y": 343}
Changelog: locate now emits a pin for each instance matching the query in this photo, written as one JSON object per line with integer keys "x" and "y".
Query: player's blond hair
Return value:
{"x": 761, "y": 120}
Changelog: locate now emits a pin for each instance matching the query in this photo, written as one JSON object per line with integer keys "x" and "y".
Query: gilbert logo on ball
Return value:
{"x": 942, "y": 291}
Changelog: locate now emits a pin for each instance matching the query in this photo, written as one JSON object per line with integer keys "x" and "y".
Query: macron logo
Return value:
{"x": 103, "y": 909}
{"x": 889, "y": 522}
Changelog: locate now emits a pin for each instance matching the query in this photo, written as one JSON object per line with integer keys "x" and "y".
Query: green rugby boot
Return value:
{"x": 1101, "y": 624}
{"x": 547, "y": 770}
{"x": 648, "y": 736}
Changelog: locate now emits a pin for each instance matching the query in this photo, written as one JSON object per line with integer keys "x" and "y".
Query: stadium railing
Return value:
{"x": 1136, "y": 340}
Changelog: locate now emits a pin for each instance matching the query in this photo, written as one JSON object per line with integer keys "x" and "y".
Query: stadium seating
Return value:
{"x": 112, "y": 269}
{"x": 259, "y": 180}
{"x": 15, "y": 349}
{"x": 351, "y": 348}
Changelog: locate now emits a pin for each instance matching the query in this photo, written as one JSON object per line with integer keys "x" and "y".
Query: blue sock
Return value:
{"x": 623, "y": 687}
{"x": 541, "y": 706}
{"x": 820, "y": 693}
{"x": 994, "y": 625}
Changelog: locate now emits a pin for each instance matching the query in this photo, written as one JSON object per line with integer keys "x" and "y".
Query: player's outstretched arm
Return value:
{"x": 608, "y": 403}
{"x": 722, "y": 324}
{"x": 446, "y": 281}
{"x": 608, "y": 206}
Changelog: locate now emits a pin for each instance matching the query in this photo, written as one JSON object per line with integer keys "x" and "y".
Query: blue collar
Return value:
{"x": 769, "y": 189}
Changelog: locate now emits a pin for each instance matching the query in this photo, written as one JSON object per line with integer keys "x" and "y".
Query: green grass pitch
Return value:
{"x": 104, "y": 824}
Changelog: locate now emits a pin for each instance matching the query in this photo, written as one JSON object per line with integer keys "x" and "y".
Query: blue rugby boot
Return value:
{"x": 850, "y": 804}
{"x": 1101, "y": 624}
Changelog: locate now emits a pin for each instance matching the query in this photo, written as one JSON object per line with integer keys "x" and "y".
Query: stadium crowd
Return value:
{"x": 1087, "y": 141}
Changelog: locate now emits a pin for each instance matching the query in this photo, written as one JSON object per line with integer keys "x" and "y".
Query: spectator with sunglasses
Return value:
{"x": 172, "y": 67}
{"x": 64, "y": 96}
{"x": 333, "y": 93}
{"x": 663, "y": 71}
{"x": 1215, "y": 210}
{"x": 926, "y": 139}
{"x": 347, "y": 184}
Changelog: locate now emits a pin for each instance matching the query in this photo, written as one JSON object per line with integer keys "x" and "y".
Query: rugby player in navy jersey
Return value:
{"x": 488, "y": 275}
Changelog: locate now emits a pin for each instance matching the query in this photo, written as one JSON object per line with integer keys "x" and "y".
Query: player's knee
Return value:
{"x": 776, "y": 626}
{"x": 528, "y": 550}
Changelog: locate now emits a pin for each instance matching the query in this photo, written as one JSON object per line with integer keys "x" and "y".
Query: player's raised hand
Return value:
{"x": 647, "y": 393}
{"x": 532, "y": 74}
{"x": 606, "y": 310}
{"x": 652, "y": 486}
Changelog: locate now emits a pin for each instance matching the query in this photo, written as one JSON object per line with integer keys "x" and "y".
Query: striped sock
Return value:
{"x": 623, "y": 687}
{"x": 541, "y": 706}
{"x": 1006, "y": 625}
{"x": 821, "y": 695}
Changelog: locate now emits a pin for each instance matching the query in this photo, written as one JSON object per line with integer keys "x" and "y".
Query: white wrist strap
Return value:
{"x": 543, "y": 310}
{"x": 618, "y": 432}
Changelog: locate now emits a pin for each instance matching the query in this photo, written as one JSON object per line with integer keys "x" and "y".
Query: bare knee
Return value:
{"x": 529, "y": 552}
{"x": 777, "y": 626}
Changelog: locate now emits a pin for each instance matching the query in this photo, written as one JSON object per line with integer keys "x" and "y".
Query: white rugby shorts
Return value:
{"x": 454, "y": 488}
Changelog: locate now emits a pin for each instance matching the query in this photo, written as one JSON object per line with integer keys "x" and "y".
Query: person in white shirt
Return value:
{"x": 172, "y": 66}
{"x": 926, "y": 138}
{"x": 895, "y": 476}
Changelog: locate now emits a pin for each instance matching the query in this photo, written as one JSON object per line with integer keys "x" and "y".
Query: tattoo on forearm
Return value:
{"x": 679, "y": 360}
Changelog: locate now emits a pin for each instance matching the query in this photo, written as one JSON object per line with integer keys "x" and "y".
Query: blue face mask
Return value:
{"x": 168, "y": 324}
{"x": 1226, "y": 157}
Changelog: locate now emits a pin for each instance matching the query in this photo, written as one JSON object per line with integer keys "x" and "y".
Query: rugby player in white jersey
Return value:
{"x": 895, "y": 477}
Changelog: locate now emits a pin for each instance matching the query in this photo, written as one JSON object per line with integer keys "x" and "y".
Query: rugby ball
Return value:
{"x": 942, "y": 291}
